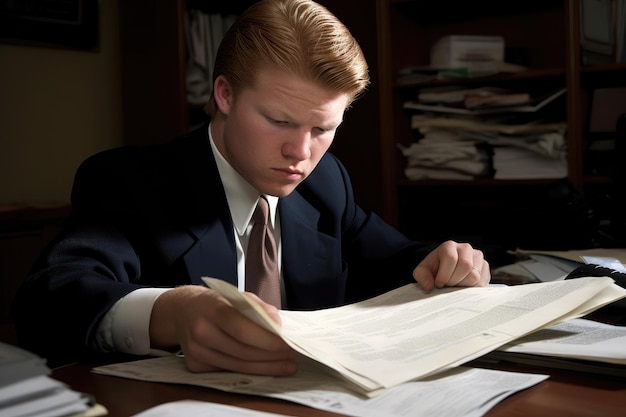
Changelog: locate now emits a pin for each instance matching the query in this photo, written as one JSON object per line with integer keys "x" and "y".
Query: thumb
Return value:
{"x": 269, "y": 309}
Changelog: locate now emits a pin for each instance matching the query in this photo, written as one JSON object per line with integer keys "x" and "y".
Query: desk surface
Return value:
{"x": 563, "y": 394}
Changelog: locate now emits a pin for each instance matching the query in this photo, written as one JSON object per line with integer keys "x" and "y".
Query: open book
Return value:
{"x": 407, "y": 334}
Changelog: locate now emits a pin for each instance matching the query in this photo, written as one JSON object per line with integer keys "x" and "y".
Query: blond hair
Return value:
{"x": 298, "y": 36}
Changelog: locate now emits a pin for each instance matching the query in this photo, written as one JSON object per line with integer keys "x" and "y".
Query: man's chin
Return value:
{"x": 280, "y": 191}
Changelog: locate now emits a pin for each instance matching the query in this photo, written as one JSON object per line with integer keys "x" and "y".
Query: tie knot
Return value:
{"x": 261, "y": 213}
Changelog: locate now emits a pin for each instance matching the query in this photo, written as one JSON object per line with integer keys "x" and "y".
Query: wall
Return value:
{"x": 57, "y": 106}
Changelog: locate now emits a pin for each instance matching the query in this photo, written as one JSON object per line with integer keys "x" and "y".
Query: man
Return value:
{"x": 125, "y": 272}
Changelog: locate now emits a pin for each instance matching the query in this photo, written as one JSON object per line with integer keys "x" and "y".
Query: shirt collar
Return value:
{"x": 240, "y": 194}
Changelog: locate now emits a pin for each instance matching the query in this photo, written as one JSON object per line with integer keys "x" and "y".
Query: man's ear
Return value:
{"x": 223, "y": 94}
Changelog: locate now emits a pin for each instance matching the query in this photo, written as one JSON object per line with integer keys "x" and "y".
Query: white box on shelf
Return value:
{"x": 462, "y": 51}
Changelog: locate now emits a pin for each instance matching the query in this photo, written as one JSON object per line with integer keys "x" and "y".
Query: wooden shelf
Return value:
{"x": 531, "y": 74}
{"x": 542, "y": 36}
{"x": 479, "y": 182}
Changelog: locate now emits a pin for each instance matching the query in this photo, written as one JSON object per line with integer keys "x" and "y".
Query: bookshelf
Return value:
{"x": 154, "y": 61}
{"x": 543, "y": 35}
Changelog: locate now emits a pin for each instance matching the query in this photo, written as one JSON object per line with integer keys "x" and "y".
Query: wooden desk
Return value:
{"x": 563, "y": 394}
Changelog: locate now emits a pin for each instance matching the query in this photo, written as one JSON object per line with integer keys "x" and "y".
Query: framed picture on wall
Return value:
{"x": 69, "y": 24}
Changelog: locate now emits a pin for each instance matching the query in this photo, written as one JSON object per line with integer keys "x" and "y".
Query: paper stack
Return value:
{"x": 27, "y": 390}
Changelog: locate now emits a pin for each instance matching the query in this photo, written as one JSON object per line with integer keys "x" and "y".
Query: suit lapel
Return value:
{"x": 312, "y": 267}
{"x": 210, "y": 224}
{"x": 311, "y": 262}
{"x": 210, "y": 256}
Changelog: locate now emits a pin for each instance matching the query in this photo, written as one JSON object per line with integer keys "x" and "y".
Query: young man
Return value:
{"x": 125, "y": 272}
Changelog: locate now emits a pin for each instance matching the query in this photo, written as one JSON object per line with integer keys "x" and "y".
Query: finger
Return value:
{"x": 478, "y": 272}
{"x": 425, "y": 270}
{"x": 219, "y": 326}
{"x": 450, "y": 255}
{"x": 269, "y": 309}
{"x": 219, "y": 361}
{"x": 485, "y": 275}
{"x": 478, "y": 264}
{"x": 229, "y": 344}
{"x": 209, "y": 359}
{"x": 248, "y": 338}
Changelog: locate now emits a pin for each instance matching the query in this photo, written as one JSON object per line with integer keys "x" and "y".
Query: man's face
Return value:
{"x": 275, "y": 133}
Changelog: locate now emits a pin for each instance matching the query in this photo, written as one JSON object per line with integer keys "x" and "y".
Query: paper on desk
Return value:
{"x": 193, "y": 408}
{"x": 475, "y": 391}
{"x": 407, "y": 334}
{"x": 576, "y": 255}
{"x": 543, "y": 271}
{"x": 575, "y": 339}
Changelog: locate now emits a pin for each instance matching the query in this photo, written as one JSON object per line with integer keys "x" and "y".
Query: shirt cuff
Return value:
{"x": 130, "y": 321}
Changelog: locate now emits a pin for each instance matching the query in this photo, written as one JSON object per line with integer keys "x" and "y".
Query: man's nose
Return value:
{"x": 299, "y": 146}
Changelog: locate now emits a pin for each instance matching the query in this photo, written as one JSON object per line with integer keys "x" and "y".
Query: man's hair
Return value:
{"x": 297, "y": 36}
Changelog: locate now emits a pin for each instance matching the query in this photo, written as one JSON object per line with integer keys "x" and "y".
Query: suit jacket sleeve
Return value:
{"x": 136, "y": 221}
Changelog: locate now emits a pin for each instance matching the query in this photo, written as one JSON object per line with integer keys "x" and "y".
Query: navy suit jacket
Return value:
{"x": 157, "y": 216}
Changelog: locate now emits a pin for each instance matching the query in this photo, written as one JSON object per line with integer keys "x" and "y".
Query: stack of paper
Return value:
{"x": 396, "y": 354}
{"x": 407, "y": 334}
{"x": 578, "y": 344}
{"x": 511, "y": 128}
{"x": 26, "y": 389}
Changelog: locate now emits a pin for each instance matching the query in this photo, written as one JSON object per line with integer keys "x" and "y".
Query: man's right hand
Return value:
{"x": 214, "y": 336}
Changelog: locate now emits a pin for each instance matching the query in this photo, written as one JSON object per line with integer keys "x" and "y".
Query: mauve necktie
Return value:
{"x": 261, "y": 258}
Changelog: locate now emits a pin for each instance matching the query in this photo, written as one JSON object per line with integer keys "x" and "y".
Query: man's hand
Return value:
{"x": 214, "y": 336}
{"x": 453, "y": 264}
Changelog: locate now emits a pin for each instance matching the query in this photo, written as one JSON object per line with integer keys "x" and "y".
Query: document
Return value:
{"x": 193, "y": 408}
{"x": 26, "y": 390}
{"x": 18, "y": 364}
{"x": 576, "y": 339}
{"x": 407, "y": 334}
{"x": 578, "y": 255}
{"x": 475, "y": 391}
{"x": 578, "y": 344}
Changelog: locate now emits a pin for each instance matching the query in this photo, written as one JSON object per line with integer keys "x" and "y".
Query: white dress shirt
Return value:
{"x": 125, "y": 327}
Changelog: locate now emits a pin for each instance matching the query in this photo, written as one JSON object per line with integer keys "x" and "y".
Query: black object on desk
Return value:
{"x": 592, "y": 270}
{"x": 615, "y": 313}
